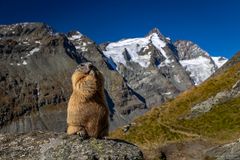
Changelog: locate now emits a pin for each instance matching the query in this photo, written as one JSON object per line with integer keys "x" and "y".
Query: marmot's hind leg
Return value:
{"x": 72, "y": 129}
{"x": 83, "y": 134}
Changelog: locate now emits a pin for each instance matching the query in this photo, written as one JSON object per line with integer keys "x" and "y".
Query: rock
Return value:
{"x": 50, "y": 146}
{"x": 188, "y": 50}
{"x": 211, "y": 102}
{"x": 230, "y": 151}
{"x": 236, "y": 86}
{"x": 184, "y": 150}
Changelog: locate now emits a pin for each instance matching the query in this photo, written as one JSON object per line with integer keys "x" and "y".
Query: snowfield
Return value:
{"x": 133, "y": 46}
{"x": 200, "y": 68}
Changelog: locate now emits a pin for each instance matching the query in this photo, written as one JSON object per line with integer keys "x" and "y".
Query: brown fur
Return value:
{"x": 87, "y": 110}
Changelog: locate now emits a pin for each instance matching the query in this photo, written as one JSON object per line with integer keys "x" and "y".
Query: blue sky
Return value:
{"x": 212, "y": 24}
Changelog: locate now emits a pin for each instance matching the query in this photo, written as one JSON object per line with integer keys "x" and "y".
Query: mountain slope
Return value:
{"x": 171, "y": 121}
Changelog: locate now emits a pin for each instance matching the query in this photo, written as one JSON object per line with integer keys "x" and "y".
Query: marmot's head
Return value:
{"x": 87, "y": 79}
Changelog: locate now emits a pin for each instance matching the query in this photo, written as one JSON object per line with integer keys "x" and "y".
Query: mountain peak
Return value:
{"x": 73, "y": 35}
{"x": 29, "y": 30}
{"x": 188, "y": 50}
{"x": 157, "y": 31}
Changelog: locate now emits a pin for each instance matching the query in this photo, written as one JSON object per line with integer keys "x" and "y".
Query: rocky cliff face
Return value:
{"x": 36, "y": 66}
{"x": 52, "y": 146}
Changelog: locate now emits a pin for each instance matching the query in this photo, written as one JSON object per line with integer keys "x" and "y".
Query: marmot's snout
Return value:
{"x": 85, "y": 67}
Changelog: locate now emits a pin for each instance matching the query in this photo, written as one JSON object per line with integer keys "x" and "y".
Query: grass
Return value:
{"x": 223, "y": 122}
{"x": 164, "y": 124}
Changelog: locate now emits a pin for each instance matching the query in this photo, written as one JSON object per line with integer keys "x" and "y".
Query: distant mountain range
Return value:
{"x": 142, "y": 51}
{"x": 37, "y": 63}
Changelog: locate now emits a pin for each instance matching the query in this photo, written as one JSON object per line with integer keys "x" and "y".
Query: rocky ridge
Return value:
{"x": 36, "y": 66}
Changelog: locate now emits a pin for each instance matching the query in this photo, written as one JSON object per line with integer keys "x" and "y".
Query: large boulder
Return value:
{"x": 230, "y": 151}
{"x": 57, "y": 146}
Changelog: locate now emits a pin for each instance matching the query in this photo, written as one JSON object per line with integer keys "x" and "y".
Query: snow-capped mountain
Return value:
{"x": 150, "y": 66}
{"x": 196, "y": 61}
{"x": 157, "y": 51}
{"x": 130, "y": 49}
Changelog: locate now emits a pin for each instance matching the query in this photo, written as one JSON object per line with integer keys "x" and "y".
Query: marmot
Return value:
{"x": 87, "y": 112}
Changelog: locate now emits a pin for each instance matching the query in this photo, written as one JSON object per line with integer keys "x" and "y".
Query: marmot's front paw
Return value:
{"x": 82, "y": 134}
{"x": 105, "y": 138}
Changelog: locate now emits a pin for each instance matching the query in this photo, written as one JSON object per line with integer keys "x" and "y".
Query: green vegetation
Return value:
{"x": 166, "y": 124}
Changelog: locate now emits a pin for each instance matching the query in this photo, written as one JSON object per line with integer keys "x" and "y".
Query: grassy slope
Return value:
{"x": 164, "y": 124}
